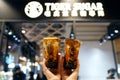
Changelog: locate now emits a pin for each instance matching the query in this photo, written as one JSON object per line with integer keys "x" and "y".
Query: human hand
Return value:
{"x": 70, "y": 74}
{"x": 60, "y": 73}
{"x": 51, "y": 74}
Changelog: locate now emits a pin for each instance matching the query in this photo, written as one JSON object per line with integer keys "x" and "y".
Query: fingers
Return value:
{"x": 61, "y": 71}
{"x": 43, "y": 65}
{"x": 45, "y": 68}
{"x": 46, "y": 71}
{"x": 77, "y": 67}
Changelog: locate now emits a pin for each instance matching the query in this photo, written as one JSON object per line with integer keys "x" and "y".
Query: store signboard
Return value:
{"x": 56, "y": 10}
{"x": 34, "y": 9}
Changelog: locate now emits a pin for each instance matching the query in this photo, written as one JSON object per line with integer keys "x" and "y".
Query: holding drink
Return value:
{"x": 72, "y": 48}
{"x": 51, "y": 49}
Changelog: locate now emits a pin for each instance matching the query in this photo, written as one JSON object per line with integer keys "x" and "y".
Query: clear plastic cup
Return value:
{"x": 51, "y": 49}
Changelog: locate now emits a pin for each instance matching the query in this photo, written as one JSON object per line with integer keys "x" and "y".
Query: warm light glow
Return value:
{"x": 14, "y": 36}
{"x": 9, "y": 47}
{"x": 116, "y": 31}
{"x": 112, "y": 34}
{"x": 16, "y": 39}
{"x": 26, "y": 41}
{"x": 10, "y": 33}
{"x": 41, "y": 54}
{"x": 108, "y": 37}
{"x": 104, "y": 40}
{"x": 23, "y": 31}
{"x": 6, "y": 30}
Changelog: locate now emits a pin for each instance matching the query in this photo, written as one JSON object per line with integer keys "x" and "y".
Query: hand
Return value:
{"x": 51, "y": 74}
{"x": 70, "y": 74}
{"x": 60, "y": 73}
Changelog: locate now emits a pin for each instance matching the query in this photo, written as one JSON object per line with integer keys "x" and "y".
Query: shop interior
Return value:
{"x": 95, "y": 23}
{"x": 21, "y": 43}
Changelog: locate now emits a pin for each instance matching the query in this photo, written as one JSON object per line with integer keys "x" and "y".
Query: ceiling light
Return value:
{"x": 10, "y": 33}
{"x": 108, "y": 37}
{"x": 116, "y": 31}
{"x": 16, "y": 39}
{"x": 112, "y": 34}
{"x": 9, "y": 47}
{"x": 6, "y": 30}
{"x": 14, "y": 36}
{"x": 104, "y": 40}
{"x": 23, "y": 31}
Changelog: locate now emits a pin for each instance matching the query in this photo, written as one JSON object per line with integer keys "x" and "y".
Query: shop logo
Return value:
{"x": 33, "y": 9}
